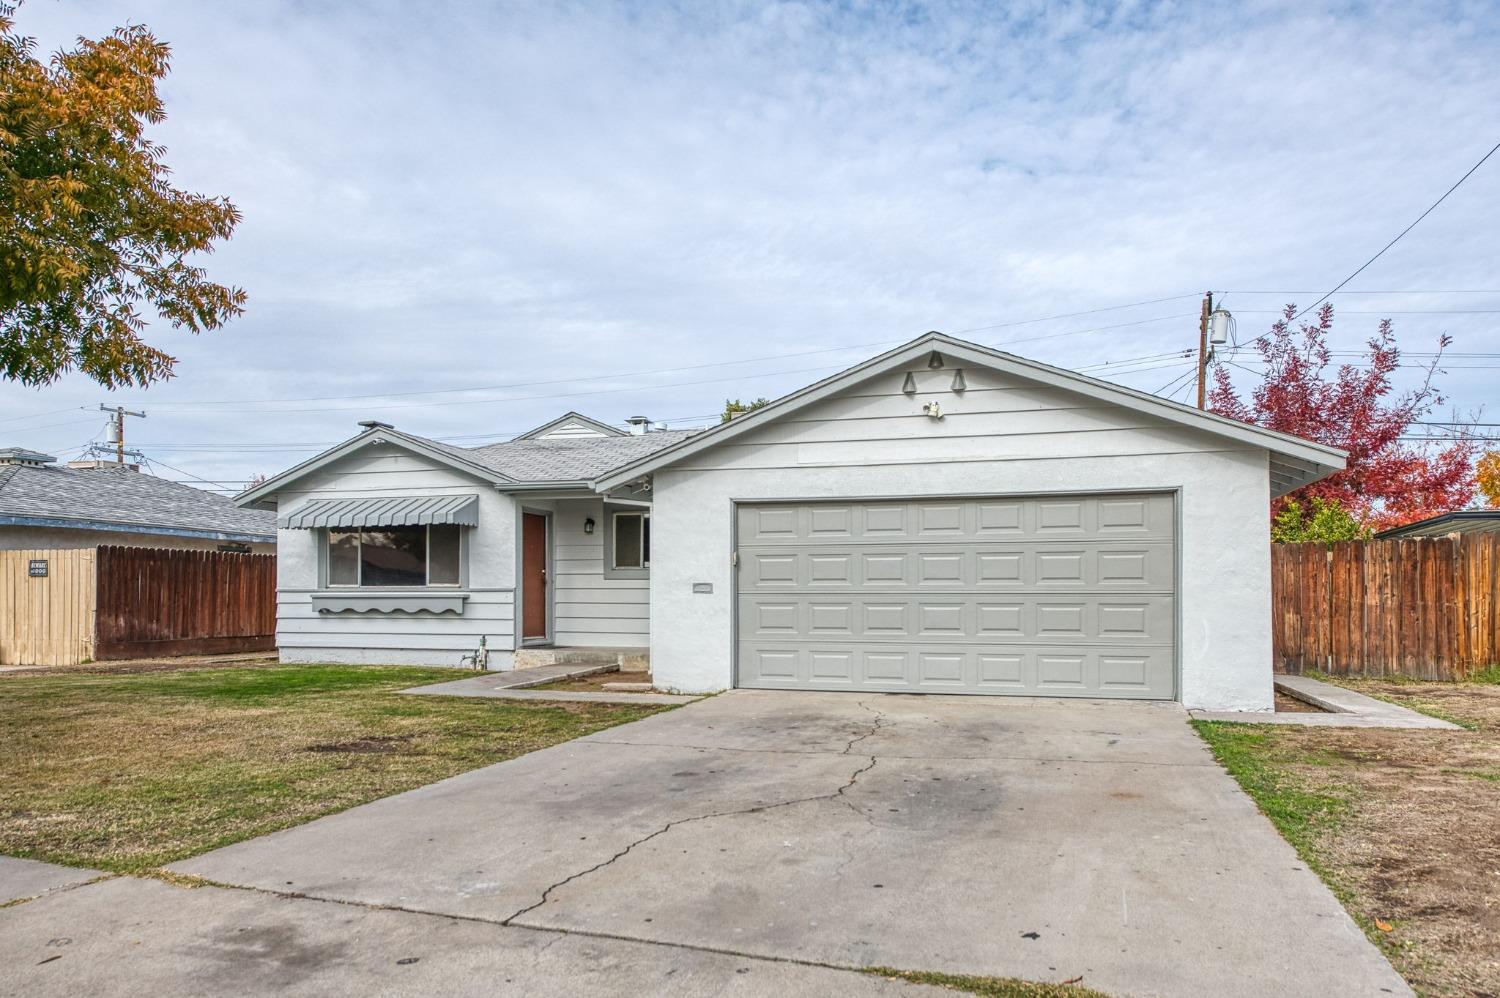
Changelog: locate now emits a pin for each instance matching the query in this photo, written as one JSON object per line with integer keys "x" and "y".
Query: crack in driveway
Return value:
{"x": 838, "y": 795}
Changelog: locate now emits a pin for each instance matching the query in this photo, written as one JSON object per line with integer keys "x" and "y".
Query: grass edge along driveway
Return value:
{"x": 1402, "y": 826}
{"x": 127, "y": 772}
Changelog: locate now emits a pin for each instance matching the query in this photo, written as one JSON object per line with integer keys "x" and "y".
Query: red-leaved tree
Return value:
{"x": 1389, "y": 481}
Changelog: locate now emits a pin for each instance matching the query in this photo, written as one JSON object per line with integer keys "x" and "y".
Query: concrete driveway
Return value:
{"x": 1041, "y": 839}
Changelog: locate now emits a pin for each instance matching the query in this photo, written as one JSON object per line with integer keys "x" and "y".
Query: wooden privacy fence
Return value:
{"x": 1424, "y": 607}
{"x": 63, "y": 607}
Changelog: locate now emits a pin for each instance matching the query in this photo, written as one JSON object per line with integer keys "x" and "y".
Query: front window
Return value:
{"x": 394, "y": 556}
{"x": 632, "y": 540}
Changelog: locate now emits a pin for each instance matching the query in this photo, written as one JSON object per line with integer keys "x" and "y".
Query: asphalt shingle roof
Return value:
{"x": 566, "y": 460}
{"x": 127, "y": 498}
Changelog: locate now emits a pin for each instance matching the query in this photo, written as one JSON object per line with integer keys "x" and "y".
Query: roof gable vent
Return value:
{"x": 20, "y": 455}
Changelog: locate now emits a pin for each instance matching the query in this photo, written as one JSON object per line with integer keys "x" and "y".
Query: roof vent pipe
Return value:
{"x": 639, "y": 425}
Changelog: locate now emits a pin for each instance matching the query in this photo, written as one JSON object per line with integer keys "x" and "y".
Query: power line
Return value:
{"x": 1383, "y": 311}
{"x": 693, "y": 367}
{"x": 1403, "y": 232}
{"x": 1468, "y": 291}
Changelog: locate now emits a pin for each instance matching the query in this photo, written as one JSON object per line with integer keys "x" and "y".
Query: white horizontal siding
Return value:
{"x": 489, "y": 612}
{"x": 591, "y": 610}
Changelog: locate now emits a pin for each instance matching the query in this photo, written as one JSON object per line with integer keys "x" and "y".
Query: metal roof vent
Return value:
{"x": 20, "y": 455}
{"x": 639, "y": 425}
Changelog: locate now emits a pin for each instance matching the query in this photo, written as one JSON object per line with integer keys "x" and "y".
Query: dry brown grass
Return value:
{"x": 129, "y": 771}
{"x": 1406, "y": 829}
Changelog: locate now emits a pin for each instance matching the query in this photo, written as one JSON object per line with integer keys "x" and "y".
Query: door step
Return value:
{"x": 623, "y": 659}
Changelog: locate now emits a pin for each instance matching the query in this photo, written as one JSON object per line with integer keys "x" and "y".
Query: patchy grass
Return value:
{"x": 126, "y": 772}
{"x": 1263, "y": 762}
{"x": 1487, "y": 677}
{"x": 1403, "y": 825}
{"x": 990, "y": 987}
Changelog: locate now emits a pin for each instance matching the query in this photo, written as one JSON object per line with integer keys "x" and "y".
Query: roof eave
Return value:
{"x": 571, "y": 485}
{"x": 374, "y": 435}
{"x": 124, "y": 527}
{"x": 1330, "y": 459}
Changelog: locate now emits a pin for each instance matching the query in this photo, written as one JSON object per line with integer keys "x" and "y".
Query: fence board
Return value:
{"x": 161, "y": 602}
{"x": 1426, "y": 607}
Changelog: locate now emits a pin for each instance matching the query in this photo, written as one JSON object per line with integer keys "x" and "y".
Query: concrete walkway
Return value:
{"x": 1041, "y": 839}
{"x": 487, "y": 687}
{"x": 1345, "y": 709}
{"x": 26, "y": 878}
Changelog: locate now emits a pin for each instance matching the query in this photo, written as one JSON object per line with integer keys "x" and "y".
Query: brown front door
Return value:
{"x": 533, "y": 576}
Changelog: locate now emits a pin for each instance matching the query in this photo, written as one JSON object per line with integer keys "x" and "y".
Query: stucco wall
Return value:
{"x": 13, "y": 538}
{"x": 1003, "y": 436}
{"x": 305, "y": 635}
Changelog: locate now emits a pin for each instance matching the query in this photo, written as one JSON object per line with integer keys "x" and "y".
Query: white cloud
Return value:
{"x": 446, "y": 196}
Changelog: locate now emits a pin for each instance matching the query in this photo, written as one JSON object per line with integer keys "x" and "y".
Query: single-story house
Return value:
{"x": 44, "y": 505}
{"x": 1463, "y": 521}
{"x": 942, "y": 518}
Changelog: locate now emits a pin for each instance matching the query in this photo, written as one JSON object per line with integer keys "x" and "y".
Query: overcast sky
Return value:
{"x": 527, "y": 208}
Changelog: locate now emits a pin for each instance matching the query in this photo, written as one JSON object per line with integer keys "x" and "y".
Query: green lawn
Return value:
{"x": 126, "y": 772}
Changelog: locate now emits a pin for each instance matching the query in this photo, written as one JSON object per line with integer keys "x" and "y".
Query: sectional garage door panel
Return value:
{"x": 1065, "y": 596}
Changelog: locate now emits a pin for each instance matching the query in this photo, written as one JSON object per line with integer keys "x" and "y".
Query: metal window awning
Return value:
{"x": 387, "y": 511}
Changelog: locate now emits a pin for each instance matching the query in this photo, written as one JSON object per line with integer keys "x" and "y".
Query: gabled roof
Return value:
{"x": 119, "y": 499}
{"x": 573, "y": 459}
{"x": 375, "y": 433}
{"x": 575, "y": 419}
{"x": 509, "y": 465}
{"x": 1463, "y": 521}
{"x": 1295, "y": 461}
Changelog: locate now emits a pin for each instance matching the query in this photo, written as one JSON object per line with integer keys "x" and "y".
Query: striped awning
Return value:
{"x": 388, "y": 511}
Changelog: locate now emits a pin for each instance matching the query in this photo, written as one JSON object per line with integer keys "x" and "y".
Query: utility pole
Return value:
{"x": 117, "y": 420}
{"x": 1203, "y": 354}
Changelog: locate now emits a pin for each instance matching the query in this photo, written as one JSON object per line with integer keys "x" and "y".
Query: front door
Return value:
{"x": 533, "y": 576}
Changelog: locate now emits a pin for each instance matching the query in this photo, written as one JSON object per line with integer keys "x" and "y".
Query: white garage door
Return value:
{"x": 1047, "y": 596}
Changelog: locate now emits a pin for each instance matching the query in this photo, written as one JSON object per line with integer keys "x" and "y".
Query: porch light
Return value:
{"x": 588, "y": 525}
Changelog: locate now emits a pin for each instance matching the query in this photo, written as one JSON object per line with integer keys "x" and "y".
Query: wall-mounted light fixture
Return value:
{"x": 933, "y": 409}
{"x": 588, "y": 525}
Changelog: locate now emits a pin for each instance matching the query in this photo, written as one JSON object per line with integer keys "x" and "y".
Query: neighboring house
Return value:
{"x": 1464, "y": 521}
{"x": 50, "y": 506}
{"x": 942, "y": 518}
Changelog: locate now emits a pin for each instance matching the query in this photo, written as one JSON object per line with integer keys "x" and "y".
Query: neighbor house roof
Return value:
{"x": 1294, "y": 461}
{"x": 512, "y": 465}
{"x": 1464, "y": 521}
{"x": 119, "y": 499}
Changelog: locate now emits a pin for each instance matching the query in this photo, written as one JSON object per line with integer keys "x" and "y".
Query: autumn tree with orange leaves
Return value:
{"x": 1487, "y": 475}
{"x": 1389, "y": 481}
{"x": 95, "y": 242}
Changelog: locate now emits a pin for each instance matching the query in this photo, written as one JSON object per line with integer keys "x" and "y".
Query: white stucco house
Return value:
{"x": 941, "y": 518}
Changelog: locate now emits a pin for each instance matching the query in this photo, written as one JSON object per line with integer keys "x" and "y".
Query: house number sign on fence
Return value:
{"x": 37, "y": 568}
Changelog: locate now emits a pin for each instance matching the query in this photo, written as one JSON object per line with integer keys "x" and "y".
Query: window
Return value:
{"x": 394, "y": 556}
{"x": 632, "y": 540}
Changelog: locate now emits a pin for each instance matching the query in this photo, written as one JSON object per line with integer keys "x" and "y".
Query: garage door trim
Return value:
{"x": 1174, "y": 492}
